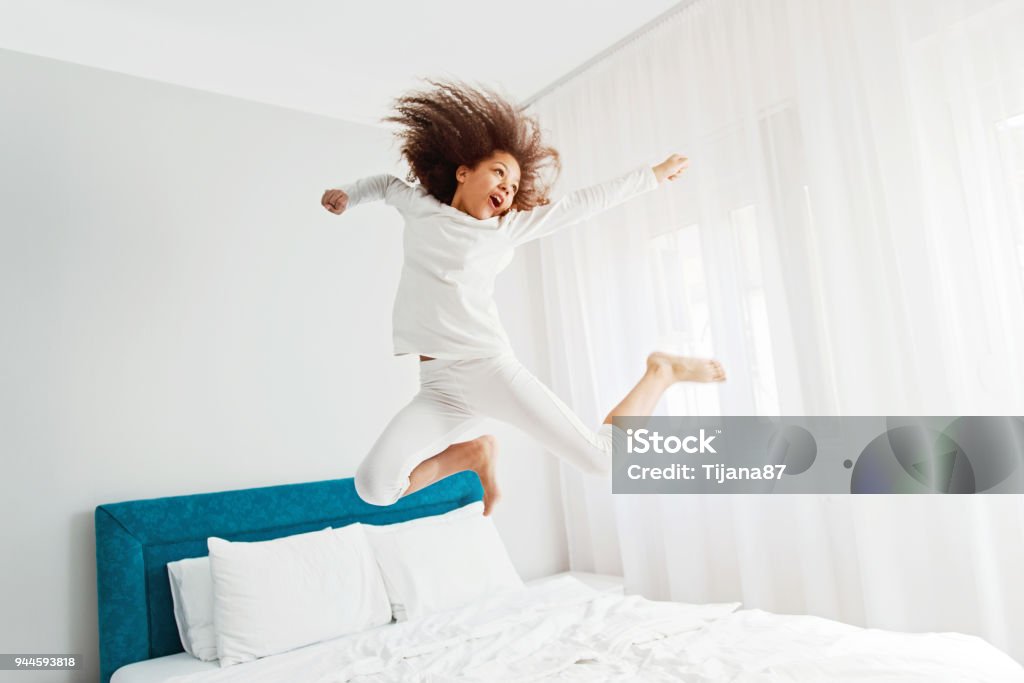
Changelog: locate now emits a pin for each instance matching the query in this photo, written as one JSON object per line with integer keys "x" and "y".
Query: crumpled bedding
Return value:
{"x": 565, "y": 631}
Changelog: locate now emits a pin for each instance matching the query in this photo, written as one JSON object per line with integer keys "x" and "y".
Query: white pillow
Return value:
{"x": 442, "y": 562}
{"x": 192, "y": 592}
{"x": 273, "y": 596}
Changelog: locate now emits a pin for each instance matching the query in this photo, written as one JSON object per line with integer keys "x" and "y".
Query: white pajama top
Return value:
{"x": 445, "y": 305}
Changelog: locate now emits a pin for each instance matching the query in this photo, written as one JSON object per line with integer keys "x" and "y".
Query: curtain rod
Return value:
{"x": 683, "y": 4}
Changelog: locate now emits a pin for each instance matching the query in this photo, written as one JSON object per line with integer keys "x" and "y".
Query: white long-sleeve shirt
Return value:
{"x": 445, "y": 303}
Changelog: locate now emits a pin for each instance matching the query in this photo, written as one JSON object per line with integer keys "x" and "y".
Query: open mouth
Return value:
{"x": 496, "y": 200}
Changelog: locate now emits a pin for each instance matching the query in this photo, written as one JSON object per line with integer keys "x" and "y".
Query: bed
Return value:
{"x": 554, "y": 630}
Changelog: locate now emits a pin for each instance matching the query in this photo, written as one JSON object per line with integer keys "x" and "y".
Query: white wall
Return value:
{"x": 179, "y": 315}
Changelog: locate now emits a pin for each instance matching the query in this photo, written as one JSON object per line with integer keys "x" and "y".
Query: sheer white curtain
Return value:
{"x": 849, "y": 240}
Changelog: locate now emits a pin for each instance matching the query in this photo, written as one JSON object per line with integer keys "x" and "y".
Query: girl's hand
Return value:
{"x": 671, "y": 168}
{"x": 335, "y": 201}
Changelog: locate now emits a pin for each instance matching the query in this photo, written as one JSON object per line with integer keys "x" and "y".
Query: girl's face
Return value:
{"x": 487, "y": 189}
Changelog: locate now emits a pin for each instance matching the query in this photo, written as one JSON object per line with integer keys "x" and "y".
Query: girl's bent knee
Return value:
{"x": 376, "y": 492}
{"x": 598, "y": 461}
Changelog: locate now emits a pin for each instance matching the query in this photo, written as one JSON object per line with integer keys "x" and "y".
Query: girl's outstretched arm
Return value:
{"x": 392, "y": 190}
{"x": 523, "y": 226}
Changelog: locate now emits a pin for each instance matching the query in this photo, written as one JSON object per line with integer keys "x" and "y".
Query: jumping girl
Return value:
{"x": 479, "y": 164}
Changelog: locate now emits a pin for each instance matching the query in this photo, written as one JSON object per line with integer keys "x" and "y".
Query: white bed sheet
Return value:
{"x": 564, "y": 631}
{"x": 160, "y": 669}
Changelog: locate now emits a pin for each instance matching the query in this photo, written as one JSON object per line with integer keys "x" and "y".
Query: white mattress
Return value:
{"x": 562, "y": 630}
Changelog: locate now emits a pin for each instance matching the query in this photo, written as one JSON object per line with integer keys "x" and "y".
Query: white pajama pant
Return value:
{"x": 454, "y": 396}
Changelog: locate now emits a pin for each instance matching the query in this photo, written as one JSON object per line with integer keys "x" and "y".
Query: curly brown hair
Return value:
{"x": 454, "y": 125}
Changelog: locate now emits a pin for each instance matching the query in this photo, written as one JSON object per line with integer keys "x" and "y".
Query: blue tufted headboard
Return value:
{"x": 136, "y": 539}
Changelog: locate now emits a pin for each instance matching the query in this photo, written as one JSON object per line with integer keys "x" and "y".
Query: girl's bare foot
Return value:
{"x": 684, "y": 369}
{"x": 485, "y": 452}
